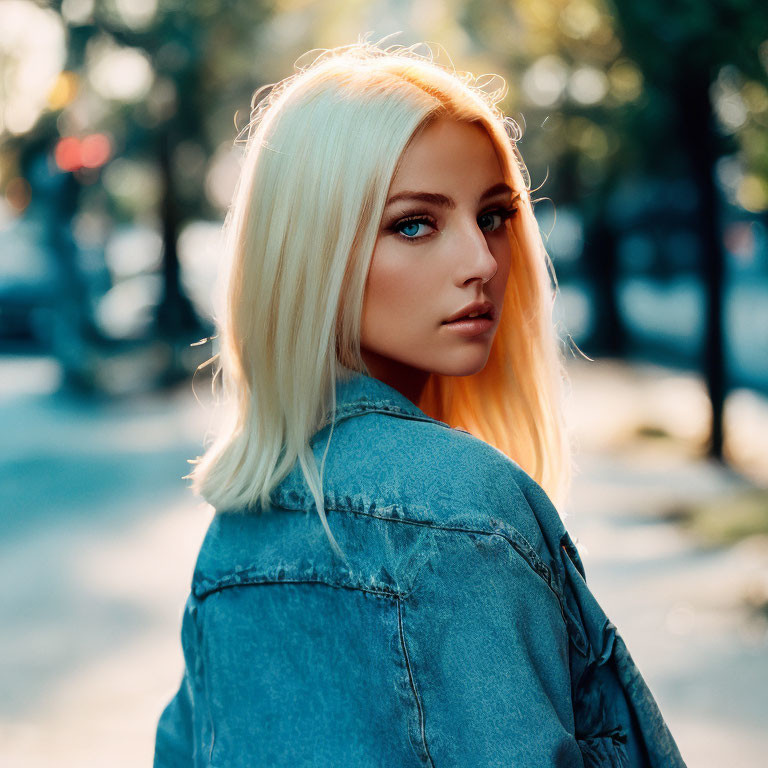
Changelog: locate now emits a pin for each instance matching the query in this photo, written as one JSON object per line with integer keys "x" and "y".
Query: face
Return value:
{"x": 444, "y": 243}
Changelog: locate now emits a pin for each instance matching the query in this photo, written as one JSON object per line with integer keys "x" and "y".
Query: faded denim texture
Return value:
{"x": 464, "y": 633}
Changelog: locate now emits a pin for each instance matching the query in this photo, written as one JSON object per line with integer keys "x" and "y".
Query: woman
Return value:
{"x": 386, "y": 581}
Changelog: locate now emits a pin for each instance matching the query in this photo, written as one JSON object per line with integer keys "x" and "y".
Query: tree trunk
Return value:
{"x": 698, "y": 140}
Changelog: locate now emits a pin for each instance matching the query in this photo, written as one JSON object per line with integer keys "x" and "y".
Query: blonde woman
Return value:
{"x": 386, "y": 580}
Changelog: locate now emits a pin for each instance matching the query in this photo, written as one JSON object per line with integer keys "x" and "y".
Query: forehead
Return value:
{"x": 449, "y": 151}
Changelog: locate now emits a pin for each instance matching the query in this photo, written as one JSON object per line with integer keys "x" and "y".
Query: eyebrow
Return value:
{"x": 447, "y": 202}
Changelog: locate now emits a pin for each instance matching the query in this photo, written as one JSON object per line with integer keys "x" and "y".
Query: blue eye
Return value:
{"x": 502, "y": 215}
{"x": 489, "y": 216}
{"x": 408, "y": 229}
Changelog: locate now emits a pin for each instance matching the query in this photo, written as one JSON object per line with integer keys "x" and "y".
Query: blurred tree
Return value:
{"x": 681, "y": 48}
{"x": 161, "y": 79}
{"x": 624, "y": 89}
{"x": 198, "y": 53}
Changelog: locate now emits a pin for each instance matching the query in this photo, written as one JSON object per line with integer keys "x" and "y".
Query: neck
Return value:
{"x": 406, "y": 379}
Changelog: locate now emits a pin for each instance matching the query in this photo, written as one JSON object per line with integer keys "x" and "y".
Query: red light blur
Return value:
{"x": 92, "y": 151}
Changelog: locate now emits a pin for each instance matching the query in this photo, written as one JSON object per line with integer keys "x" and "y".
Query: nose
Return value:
{"x": 474, "y": 258}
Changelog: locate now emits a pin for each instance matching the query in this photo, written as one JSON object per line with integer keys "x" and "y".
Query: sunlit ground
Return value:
{"x": 100, "y": 538}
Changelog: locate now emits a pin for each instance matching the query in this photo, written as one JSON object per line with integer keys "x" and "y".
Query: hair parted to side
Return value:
{"x": 322, "y": 149}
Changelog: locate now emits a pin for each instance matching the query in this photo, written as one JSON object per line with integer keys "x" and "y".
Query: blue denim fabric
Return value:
{"x": 462, "y": 633}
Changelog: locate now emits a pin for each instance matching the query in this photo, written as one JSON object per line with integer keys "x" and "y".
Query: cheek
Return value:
{"x": 395, "y": 290}
{"x": 505, "y": 263}
{"x": 504, "y": 252}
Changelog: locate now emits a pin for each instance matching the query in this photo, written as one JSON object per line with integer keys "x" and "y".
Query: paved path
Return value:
{"x": 678, "y": 607}
{"x": 100, "y": 537}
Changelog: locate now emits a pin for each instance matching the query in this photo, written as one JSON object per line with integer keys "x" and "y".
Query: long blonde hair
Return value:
{"x": 322, "y": 149}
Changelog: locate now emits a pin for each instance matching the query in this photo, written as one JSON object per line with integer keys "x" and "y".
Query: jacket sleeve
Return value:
{"x": 487, "y": 647}
{"x": 175, "y": 741}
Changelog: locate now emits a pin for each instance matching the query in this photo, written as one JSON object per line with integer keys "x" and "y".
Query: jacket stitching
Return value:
{"x": 377, "y": 406}
{"x": 539, "y": 567}
{"x": 412, "y": 682}
{"x": 542, "y": 571}
{"x": 525, "y": 550}
{"x": 376, "y": 592}
{"x": 246, "y": 578}
{"x": 203, "y": 651}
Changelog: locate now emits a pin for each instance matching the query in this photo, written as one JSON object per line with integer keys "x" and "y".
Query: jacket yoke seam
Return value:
{"x": 250, "y": 577}
{"x": 517, "y": 541}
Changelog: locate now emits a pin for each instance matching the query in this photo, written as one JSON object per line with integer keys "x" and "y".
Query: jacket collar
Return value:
{"x": 358, "y": 393}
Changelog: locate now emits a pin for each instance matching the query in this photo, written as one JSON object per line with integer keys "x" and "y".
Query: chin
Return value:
{"x": 467, "y": 367}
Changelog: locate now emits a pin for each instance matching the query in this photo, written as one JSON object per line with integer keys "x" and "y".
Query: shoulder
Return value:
{"x": 428, "y": 472}
{"x": 393, "y": 489}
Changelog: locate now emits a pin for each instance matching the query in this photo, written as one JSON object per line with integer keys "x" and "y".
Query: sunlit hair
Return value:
{"x": 322, "y": 149}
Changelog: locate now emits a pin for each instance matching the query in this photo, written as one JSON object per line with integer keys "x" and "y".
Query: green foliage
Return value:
{"x": 725, "y": 520}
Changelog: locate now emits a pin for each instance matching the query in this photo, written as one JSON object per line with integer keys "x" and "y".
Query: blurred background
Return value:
{"x": 646, "y": 137}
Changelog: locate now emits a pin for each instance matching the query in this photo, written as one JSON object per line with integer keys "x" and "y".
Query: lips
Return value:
{"x": 485, "y": 309}
{"x": 471, "y": 327}
{"x": 484, "y": 315}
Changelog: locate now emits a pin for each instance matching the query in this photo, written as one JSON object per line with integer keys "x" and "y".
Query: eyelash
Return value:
{"x": 505, "y": 213}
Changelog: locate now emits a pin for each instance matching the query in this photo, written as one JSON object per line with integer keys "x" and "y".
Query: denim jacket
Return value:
{"x": 461, "y": 632}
